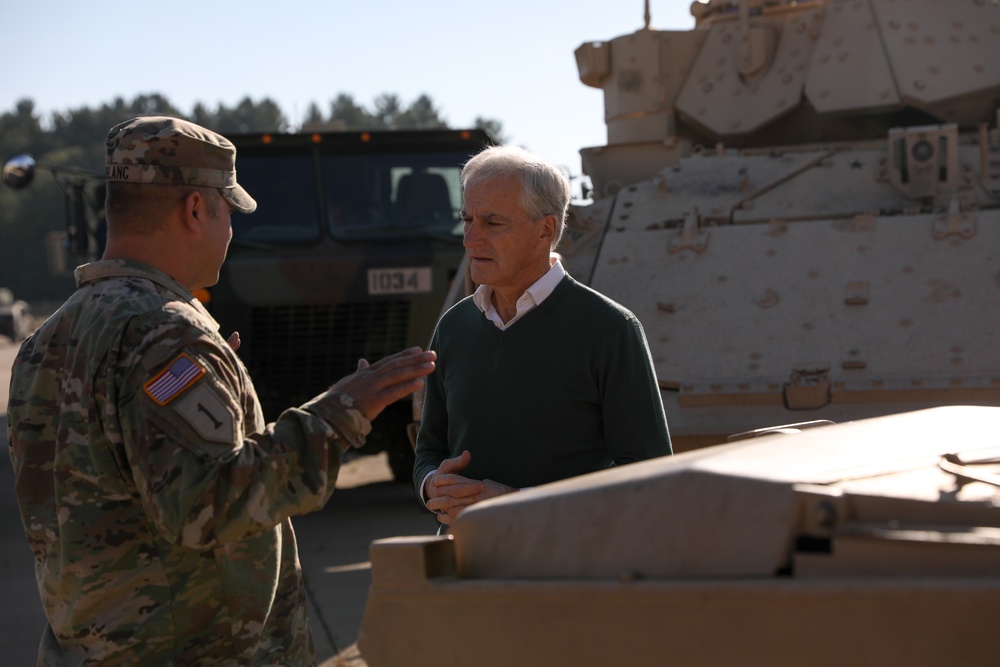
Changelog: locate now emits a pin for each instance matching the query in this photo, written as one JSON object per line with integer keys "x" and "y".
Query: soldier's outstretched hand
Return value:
{"x": 374, "y": 386}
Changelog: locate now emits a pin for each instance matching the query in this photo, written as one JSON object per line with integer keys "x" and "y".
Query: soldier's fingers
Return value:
{"x": 398, "y": 380}
{"x": 393, "y": 383}
{"x": 381, "y": 375}
{"x": 394, "y": 392}
{"x": 374, "y": 400}
{"x": 401, "y": 357}
{"x": 376, "y": 386}
{"x": 406, "y": 364}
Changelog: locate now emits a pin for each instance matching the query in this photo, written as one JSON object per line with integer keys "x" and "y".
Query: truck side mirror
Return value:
{"x": 18, "y": 170}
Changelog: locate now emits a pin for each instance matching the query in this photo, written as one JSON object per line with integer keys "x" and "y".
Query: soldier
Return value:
{"x": 539, "y": 377}
{"x": 155, "y": 499}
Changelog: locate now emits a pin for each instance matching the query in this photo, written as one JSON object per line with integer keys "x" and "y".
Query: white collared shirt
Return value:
{"x": 532, "y": 297}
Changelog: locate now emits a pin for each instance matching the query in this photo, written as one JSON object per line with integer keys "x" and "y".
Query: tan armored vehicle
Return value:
{"x": 870, "y": 543}
{"x": 801, "y": 203}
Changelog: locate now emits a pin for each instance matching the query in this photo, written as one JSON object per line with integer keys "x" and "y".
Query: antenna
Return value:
{"x": 646, "y": 15}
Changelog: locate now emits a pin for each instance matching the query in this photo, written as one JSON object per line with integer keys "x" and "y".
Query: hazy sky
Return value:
{"x": 507, "y": 59}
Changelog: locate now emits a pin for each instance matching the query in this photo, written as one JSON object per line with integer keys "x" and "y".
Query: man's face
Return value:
{"x": 506, "y": 248}
{"x": 218, "y": 234}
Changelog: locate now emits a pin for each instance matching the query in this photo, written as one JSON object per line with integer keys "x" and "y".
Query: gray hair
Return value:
{"x": 544, "y": 188}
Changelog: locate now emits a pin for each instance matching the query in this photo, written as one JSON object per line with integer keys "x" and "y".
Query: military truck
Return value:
{"x": 354, "y": 245}
{"x": 350, "y": 254}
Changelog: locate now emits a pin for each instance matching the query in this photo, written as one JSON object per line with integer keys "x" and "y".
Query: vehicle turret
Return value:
{"x": 768, "y": 73}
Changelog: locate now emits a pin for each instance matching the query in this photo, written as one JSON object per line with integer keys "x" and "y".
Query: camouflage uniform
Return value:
{"x": 155, "y": 499}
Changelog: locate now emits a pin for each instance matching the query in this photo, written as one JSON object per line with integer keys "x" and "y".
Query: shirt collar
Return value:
{"x": 533, "y": 296}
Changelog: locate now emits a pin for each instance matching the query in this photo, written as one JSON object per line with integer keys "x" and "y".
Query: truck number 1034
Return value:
{"x": 399, "y": 281}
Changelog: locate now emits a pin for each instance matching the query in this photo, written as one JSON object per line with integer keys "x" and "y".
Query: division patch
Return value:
{"x": 178, "y": 376}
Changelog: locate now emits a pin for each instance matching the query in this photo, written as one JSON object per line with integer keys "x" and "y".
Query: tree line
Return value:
{"x": 75, "y": 138}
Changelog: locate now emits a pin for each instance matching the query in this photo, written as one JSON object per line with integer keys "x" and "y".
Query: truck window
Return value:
{"x": 284, "y": 186}
{"x": 393, "y": 196}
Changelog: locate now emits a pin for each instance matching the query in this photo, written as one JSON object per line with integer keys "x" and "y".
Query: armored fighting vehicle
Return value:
{"x": 875, "y": 542}
{"x": 801, "y": 203}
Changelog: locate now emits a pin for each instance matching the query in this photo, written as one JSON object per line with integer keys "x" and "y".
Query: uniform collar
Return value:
{"x": 126, "y": 268}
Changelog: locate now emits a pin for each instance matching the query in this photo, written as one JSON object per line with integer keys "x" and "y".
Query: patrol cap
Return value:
{"x": 160, "y": 149}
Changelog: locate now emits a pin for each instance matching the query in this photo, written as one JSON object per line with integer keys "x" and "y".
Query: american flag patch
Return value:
{"x": 178, "y": 376}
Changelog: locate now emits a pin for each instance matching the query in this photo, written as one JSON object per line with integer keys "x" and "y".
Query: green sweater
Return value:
{"x": 568, "y": 389}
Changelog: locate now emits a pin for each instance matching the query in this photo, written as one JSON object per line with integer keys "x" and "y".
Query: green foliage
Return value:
{"x": 21, "y": 131}
{"x": 387, "y": 112}
{"x": 493, "y": 127}
{"x": 27, "y": 217}
{"x": 247, "y": 116}
{"x": 75, "y": 138}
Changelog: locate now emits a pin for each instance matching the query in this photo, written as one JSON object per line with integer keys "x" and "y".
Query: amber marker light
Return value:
{"x": 266, "y": 139}
{"x": 316, "y": 138}
{"x": 203, "y": 295}
{"x": 466, "y": 134}
{"x": 365, "y": 137}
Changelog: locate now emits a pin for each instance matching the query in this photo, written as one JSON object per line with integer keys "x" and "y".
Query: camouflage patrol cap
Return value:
{"x": 160, "y": 149}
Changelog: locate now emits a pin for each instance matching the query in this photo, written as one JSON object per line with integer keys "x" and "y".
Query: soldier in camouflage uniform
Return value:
{"x": 155, "y": 499}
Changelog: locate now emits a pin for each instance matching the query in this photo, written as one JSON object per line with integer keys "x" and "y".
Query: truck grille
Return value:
{"x": 299, "y": 351}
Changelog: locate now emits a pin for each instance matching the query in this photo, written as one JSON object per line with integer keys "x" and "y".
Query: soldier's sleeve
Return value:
{"x": 206, "y": 471}
{"x": 635, "y": 425}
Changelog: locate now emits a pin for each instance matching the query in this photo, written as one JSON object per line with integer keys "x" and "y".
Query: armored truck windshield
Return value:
{"x": 350, "y": 188}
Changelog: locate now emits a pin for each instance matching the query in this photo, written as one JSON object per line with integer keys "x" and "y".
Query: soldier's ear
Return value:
{"x": 194, "y": 211}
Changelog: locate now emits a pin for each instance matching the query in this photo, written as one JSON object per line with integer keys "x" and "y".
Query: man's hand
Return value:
{"x": 234, "y": 340}
{"x": 448, "y": 493}
{"x": 374, "y": 386}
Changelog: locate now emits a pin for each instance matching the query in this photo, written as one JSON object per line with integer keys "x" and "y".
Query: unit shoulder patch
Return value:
{"x": 208, "y": 415}
{"x": 179, "y": 374}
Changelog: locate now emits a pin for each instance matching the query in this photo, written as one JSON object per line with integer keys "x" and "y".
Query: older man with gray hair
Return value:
{"x": 538, "y": 377}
